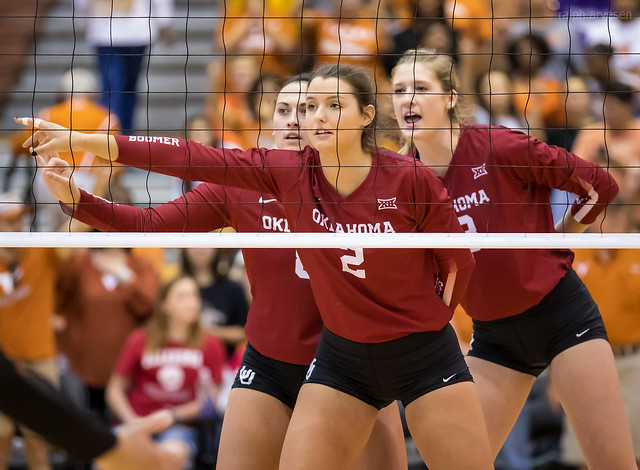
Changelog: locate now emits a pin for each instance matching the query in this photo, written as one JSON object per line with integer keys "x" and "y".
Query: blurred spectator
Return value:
{"x": 170, "y": 366}
{"x": 76, "y": 109}
{"x": 619, "y": 30}
{"x": 472, "y": 19}
{"x": 267, "y": 32}
{"x": 224, "y": 314}
{"x": 538, "y": 96}
{"x": 598, "y": 67}
{"x": 238, "y": 273}
{"x": 224, "y": 305}
{"x": 615, "y": 142}
{"x": 599, "y": 72}
{"x": 227, "y": 111}
{"x": 503, "y": 15}
{"x": 613, "y": 145}
{"x": 579, "y": 114}
{"x": 198, "y": 130}
{"x": 261, "y": 101}
{"x": 27, "y": 278}
{"x": 496, "y": 106}
{"x": 540, "y": 17}
{"x": 613, "y": 277}
{"x": 21, "y": 24}
{"x": 247, "y": 114}
{"x": 122, "y": 32}
{"x": 349, "y": 34}
{"x": 472, "y": 22}
{"x": 441, "y": 38}
{"x": 261, "y": 42}
{"x": 408, "y": 20}
{"x": 102, "y": 295}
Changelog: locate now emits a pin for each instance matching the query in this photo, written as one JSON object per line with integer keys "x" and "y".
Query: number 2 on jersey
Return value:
{"x": 469, "y": 226}
{"x": 353, "y": 260}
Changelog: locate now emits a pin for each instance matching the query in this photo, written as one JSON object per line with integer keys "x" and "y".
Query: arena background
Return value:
{"x": 589, "y": 45}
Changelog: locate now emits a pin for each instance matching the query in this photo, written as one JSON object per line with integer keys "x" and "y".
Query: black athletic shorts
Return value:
{"x": 379, "y": 373}
{"x": 529, "y": 341}
{"x": 281, "y": 380}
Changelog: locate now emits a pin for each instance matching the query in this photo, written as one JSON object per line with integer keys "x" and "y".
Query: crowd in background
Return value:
{"x": 564, "y": 71}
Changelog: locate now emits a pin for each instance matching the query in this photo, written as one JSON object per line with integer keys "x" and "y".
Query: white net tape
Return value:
{"x": 317, "y": 240}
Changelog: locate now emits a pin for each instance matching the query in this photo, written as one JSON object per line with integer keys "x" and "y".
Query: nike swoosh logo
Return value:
{"x": 580, "y": 334}
{"x": 265, "y": 201}
{"x": 449, "y": 378}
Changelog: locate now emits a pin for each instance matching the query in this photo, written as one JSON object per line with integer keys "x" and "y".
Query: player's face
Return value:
{"x": 420, "y": 103}
{"x": 334, "y": 117}
{"x": 183, "y": 303}
{"x": 288, "y": 117}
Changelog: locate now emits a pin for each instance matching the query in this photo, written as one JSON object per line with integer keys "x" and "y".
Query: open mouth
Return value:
{"x": 412, "y": 118}
{"x": 323, "y": 132}
{"x": 293, "y": 136}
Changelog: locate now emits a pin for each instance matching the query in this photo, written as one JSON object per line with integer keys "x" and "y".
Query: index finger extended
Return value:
{"x": 29, "y": 122}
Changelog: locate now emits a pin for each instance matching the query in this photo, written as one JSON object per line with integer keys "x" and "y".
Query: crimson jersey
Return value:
{"x": 364, "y": 295}
{"x": 283, "y": 321}
{"x": 169, "y": 376}
{"x": 499, "y": 181}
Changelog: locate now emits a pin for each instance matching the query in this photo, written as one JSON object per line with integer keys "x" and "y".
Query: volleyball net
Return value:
{"x": 564, "y": 73}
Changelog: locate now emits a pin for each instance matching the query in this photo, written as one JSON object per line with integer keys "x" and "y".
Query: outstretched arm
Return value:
{"x": 265, "y": 171}
{"x": 202, "y": 209}
{"x": 49, "y": 138}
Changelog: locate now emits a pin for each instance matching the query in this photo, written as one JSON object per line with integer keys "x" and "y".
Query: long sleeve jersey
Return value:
{"x": 499, "y": 181}
{"x": 364, "y": 295}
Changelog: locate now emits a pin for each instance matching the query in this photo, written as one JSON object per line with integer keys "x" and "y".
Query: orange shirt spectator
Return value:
{"x": 538, "y": 97}
{"x": 27, "y": 278}
{"x": 541, "y": 96}
{"x": 227, "y": 111}
{"x": 613, "y": 278}
{"x": 79, "y": 112}
{"x": 472, "y": 18}
{"x": 26, "y": 302}
{"x": 270, "y": 36}
{"x": 349, "y": 35}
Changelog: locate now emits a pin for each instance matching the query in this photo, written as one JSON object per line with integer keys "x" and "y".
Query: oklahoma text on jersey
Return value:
{"x": 322, "y": 220}
{"x": 465, "y": 202}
